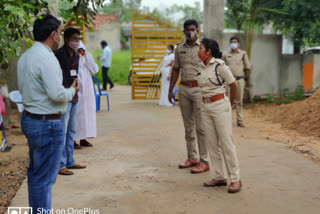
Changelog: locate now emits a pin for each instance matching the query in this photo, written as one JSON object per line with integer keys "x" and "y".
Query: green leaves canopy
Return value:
{"x": 301, "y": 21}
{"x": 296, "y": 18}
{"x": 16, "y": 20}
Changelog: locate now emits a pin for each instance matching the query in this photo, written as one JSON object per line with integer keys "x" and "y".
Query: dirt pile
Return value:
{"x": 302, "y": 116}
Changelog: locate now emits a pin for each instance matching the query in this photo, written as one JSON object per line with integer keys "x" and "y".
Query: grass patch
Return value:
{"x": 284, "y": 98}
{"x": 120, "y": 66}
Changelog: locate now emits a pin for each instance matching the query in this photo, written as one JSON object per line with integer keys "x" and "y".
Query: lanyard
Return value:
{"x": 73, "y": 63}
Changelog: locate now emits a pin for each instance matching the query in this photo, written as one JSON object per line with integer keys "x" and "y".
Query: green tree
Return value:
{"x": 83, "y": 11}
{"x": 301, "y": 21}
{"x": 297, "y": 19}
{"x": 16, "y": 21}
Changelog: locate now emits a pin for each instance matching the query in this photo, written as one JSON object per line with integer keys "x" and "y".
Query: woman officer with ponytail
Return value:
{"x": 216, "y": 109}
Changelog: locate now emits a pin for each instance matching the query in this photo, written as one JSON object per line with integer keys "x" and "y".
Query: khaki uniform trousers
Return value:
{"x": 190, "y": 100}
{"x": 218, "y": 133}
{"x": 239, "y": 99}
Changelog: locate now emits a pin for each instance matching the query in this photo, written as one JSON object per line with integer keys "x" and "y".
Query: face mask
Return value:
{"x": 204, "y": 57}
{"x": 233, "y": 46}
{"x": 74, "y": 45}
{"x": 59, "y": 43}
{"x": 192, "y": 35}
{"x": 168, "y": 51}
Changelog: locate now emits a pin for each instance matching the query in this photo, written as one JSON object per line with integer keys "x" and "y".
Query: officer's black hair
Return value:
{"x": 103, "y": 43}
{"x": 70, "y": 32}
{"x": 190, "y": 22}
{"x": 234, "y": 37}
{"x": 171, "y": 47}
{"x": 213, "y": 46}
{"x": 44, "y": 26}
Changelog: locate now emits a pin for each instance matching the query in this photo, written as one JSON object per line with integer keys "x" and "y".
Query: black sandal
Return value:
{"x": 85, "y": 143}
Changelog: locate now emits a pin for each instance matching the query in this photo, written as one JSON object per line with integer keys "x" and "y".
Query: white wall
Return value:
{"x": 291, "y": 72}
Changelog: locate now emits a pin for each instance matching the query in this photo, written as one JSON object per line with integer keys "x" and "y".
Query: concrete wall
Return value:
{"x": 107, "y": 32}
{"x": 291, "y": 72}
{"x": 265, "y": 62}
{"x": 316, "y": 71}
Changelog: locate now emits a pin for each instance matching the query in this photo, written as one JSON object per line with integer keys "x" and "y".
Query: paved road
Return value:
{"x": 132, "y": 169}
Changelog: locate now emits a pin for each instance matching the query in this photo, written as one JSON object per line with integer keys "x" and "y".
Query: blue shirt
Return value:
{"x": 40, "y": 81}
{"x": 106, "y": 57}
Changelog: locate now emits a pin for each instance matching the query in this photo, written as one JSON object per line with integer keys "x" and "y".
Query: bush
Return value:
{"x": 284, "y": 98}
{"x": 299, "y": 93}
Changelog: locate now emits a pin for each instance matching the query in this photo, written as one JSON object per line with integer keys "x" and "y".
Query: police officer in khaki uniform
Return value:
{"x": 186, "y": 61}
{"x": 216, "y": 111}
{"x": 238, "y": 62}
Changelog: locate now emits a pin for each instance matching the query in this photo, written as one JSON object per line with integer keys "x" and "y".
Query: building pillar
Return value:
{"x": 213, "y": 20}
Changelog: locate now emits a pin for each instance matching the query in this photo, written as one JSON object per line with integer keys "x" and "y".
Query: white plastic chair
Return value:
{"x": 16, "y": 97}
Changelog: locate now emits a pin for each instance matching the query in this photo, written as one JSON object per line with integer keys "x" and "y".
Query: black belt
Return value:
{"x": 42, "y": 116}
{"x": 239, "y": 77}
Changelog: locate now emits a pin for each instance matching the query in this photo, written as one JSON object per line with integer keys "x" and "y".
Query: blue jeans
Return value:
{"x": 69, "y": 119}
{"x": 46, "y": 141}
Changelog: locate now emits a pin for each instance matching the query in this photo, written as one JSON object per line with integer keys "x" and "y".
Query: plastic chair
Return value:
{"x": 16, "y": 97}
{"x": 175, "y": 90}
{"x": 99, "y": 94}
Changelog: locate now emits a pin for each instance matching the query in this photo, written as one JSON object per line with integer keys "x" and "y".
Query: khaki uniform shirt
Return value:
{"x": 236, "y": 61}
{"x": 186, "y": 58}
{"x": 211, "y": 77}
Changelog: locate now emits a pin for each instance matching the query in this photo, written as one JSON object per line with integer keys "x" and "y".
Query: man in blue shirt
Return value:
{"x": 105, "y": 59}
{"x": 44, "y": 100}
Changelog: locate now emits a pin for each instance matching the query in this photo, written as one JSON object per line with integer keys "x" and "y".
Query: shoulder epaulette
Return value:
{"x": 220, "y": 61}
{"x": 178, "y": 43}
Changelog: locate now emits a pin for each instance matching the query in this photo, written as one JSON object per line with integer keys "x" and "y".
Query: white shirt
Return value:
{"x": 40, "y": 81}
{"x": 106, "y": 57}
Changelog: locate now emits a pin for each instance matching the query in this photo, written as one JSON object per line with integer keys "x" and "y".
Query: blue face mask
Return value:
{"x": 191, "y": 35}
{"x": 233, "y": 46}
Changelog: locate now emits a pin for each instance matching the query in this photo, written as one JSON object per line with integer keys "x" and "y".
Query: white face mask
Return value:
{"x": 59, "y": 43}
{"x": 233, "y": 46}
{"x": 168, "y": 51}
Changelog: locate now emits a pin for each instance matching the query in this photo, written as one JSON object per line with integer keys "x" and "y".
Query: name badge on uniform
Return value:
{"x": 184, "y": 52}
{"x": 73, "y": 73}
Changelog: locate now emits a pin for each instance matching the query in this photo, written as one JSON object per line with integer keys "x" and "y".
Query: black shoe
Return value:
{"x": 111, "y": 86}
{"x": 104, "y": 89}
